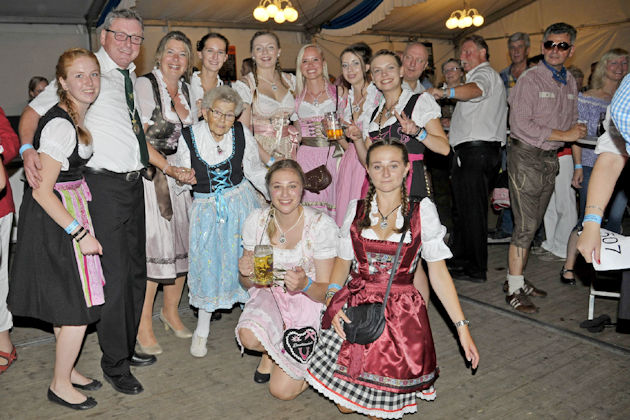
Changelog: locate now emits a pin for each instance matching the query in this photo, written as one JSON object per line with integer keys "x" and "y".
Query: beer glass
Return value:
{"x": 333, "y": 126}
{"x": 263, "y": 265}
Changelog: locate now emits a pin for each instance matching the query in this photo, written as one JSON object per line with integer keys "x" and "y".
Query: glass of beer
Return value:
{"x": 263, "y": 265}
{"x": 334, "y": 131}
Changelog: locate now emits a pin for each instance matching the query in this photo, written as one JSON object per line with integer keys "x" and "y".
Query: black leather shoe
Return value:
{"x": 139, "y": 359}
{"x": 125, "y": 383}
{"x": 85, "y": 405}
{"x": 261, "y": 378}
{"x": 92, "y": 386}
{"x": 216, "y": 315}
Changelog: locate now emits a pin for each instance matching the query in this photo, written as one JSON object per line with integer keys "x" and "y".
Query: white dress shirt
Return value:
{"x": 115, "y": 144}
{"x": 485, "y": 117}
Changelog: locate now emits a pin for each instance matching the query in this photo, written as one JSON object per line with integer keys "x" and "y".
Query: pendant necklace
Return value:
{"x": 283, "y": 237}
{"x": 356, "y": 107}
{"x": 273, "y": 84}
{"x": 384, "y": 223}
{"x": 315, "y": 98}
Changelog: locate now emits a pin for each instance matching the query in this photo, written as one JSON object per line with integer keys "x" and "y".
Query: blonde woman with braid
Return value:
{"x": 268, "y": 96}
{"x": 56, "y": 275}
{"x": 381, "y": 379}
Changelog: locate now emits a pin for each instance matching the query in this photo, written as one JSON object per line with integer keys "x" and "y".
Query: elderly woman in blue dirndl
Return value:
{"x": 225, "y": 158}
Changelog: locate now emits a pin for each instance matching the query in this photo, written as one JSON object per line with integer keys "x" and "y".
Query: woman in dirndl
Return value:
{"x": 282, "y": 321}
{"x": 381, "y": 379}
{"x": 166, "y": 107}
{"x": 56, "y": 275}
{"x": 224, "y": 156}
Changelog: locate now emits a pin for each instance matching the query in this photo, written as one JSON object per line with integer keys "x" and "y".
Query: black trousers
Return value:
{"x": 475, "y": 169}
{"x": 117, "y": 210}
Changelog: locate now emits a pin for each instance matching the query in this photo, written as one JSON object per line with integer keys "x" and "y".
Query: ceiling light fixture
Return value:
{"x": 278, "y": 10}
{"x": 464, "y": 18}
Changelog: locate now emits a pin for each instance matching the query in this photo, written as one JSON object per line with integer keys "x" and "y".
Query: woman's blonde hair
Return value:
{"x": 298, "y": 71}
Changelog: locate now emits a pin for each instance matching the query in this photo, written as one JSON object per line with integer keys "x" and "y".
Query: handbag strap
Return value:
{"x": 395, "y": 262}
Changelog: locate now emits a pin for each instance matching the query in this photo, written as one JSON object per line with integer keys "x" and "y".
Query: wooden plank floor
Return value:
{"x": 538, "y": 366}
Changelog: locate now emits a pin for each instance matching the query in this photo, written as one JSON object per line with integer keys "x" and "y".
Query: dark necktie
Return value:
{"x": 135, "y": 119}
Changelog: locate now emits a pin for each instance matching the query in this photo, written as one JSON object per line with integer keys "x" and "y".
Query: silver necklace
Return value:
{"x": 384, "y": 223}
{"x": 283, "y": 237}
{"x": 315, "y": 98}
{"x": 273, "y": 84}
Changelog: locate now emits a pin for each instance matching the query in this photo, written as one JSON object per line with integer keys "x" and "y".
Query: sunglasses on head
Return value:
{"x": 550, "y": 45}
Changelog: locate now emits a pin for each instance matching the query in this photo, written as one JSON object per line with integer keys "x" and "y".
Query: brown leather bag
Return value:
{"x": 317, "y": 179}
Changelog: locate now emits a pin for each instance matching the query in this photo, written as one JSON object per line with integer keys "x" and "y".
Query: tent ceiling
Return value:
{"x": 421, "y": 20}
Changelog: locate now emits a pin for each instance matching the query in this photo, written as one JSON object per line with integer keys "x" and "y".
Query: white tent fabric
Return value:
{"x": 372, "y": 19}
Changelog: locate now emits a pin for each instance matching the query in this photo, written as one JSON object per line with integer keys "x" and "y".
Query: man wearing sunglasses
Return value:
{"x": 543, "y": 116}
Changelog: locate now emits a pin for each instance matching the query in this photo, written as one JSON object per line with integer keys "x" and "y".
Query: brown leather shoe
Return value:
{"x": 529, "y": 289}
{"x": 520, "y": 301}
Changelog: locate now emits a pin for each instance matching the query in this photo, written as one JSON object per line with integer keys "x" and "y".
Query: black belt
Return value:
{"x": 131, "y": 176}
{"x": 477, "y": 143}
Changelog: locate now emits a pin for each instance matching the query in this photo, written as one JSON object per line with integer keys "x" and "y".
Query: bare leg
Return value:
{"x": 251, "y": 342}
{"x": 5, "y": 345}
{"x": 572, "y": 254}
{"x": 282, "y": 386}
{"x": 517, "y": 259}
{"x": 172, "y": 296}
{"x": 69, "y": 339}
{"x": 146, "y": 336}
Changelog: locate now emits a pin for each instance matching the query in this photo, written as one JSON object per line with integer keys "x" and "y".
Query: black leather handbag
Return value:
{"x": 368, "y": 319}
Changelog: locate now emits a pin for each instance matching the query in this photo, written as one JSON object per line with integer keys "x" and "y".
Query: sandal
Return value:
{"x": 9, "y": 357}
{"x": 565, "y": 280}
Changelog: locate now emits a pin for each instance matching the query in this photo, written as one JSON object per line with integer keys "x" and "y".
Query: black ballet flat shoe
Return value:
{"x": 565, "y": 280}
{"x": 91, "y": 386}
{"x": 85, "y": 405}
{"x": 216, "y": 315}
{"x": 597, "y": 324}
{"x": 261, "y": 378}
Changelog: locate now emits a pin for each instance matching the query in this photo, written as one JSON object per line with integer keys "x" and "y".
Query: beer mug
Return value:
{"x": 333, "y": 126}
{"x": 263, "y": 265}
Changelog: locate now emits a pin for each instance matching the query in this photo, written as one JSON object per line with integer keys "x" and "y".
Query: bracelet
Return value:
{"x": 85, "y": 232}
{"x": 333, "y": 286}
{"x": 77, "y": 233}
{"x": 330, "y": 294}
{"x": 310, "y": 281}
{"x": 452, "y": 93}
{"x": 461, "y": 323}
{"x": 71, "y": 227}
{"x": 444, "y": 92}
{"x": 165, "y": 168}
{"x": 422, "y": 135}
{"x": 578, "y": 166}
{"x": 270, "y": 162}
{"x": 591, "y": 217}
{"x": 25, "y": 147}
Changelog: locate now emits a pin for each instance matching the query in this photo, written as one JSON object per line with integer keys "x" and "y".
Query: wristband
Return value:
{"x": 578, "y": 166}
{"x": 85, "y": 232}
{"x": 25, "y": 147}
{"x": 422, "y": 135}
{"x": 330, "y": 294}
{"x": 310, "y": 281}
{"x": 78, "y": 232}
{"x": 72, "y": 226}
{"x": 452, "y": 93}
{"x": 591, "y": 217}
{"x": 270, "y": 162}
{"x": 461, "y": 323}
{"x": 333, "y": 286}
{"x": 165, "y": 168}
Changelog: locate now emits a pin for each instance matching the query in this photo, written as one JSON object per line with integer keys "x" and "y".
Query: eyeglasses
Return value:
{"x": 452, "y": 69}
{"x": 550, "y": 45}
{"x": 219, "y": 115}
{"x": 122, "y": 37}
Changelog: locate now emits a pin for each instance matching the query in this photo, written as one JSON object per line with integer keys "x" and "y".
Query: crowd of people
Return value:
{"x": 178, "y": 176}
